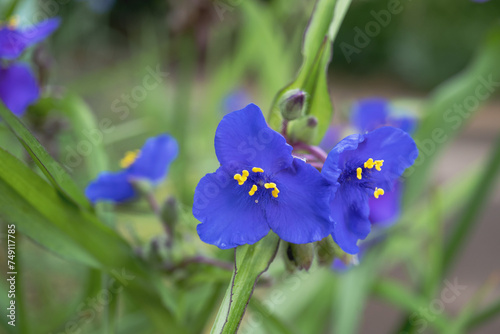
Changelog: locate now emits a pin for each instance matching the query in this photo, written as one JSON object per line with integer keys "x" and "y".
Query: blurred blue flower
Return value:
{"x": 361, "y": 166}
{"x": 235, "y": 100}
{"x": 372, "y": 113}
{"x": 259, "y": 187}
{"x": 14, "y": 40}
{"x": 18, "y": 86}
{"x": 149, "y": 164}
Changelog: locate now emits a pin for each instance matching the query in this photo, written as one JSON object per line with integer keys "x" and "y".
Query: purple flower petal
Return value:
{"x": 112, "y": 187}
{"x": 154, "y": 159}
{"x": 300, "y": 214}
{"x": 243, "y": 140}
{"x": 18, "y": 88}
{"x": 14, "y": 41}
{"x": 229, "y": 216}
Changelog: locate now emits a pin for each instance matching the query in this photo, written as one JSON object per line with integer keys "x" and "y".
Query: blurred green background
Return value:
{"x": 211, "y": 56}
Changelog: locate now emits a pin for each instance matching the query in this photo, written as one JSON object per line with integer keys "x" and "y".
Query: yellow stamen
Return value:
{"x": 129, "y": 158}
{"x": 369, "y": 163}
{"x": 253, "y": 190}
{"x": 270, "y": 185}
{"x": 378, "y": 192}
{"x": 273, "y": 186}
{"x": 257, "y": 170}
{"x": 241, "y": 178}
{"x": 13, "y": 22}
{"x": 358, "y": 172}
{"x": 378, "y": 164}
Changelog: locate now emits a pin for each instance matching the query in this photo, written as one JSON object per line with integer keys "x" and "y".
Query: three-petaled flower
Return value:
{"x": 259, "y": 187}
{"x": 18, "y": 86}
{"x": 362, "y": 166}
{"x": 149, "y": 164}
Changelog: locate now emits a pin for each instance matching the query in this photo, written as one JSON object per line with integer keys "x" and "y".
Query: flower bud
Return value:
{"x": 326, "y": 250}
{"x": 301, "y": 255}
{"x": 304, "y": 129}
{"x": 292, "y": 104}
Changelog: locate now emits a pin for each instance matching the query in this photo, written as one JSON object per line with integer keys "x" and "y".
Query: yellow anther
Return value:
{"x": 270, "y": 185}
{"x": 379, "y": 164}
{"x": 253, "y": 190}
{"x": 358, "y": 172}
{"x": 378, "y": 192}
{"x": 369, "y": 163}
{"x": 129, "y": 158}
{"x": 241, "y": 178}
{"x": 273, "y": 186}
{"x": 257, "y": 170}
{"x": 13, "y": 22}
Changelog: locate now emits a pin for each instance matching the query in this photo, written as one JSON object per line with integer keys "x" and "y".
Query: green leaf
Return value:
{"x": 250, "y": 262}
{"x": 51, "y": 168}
{"x": 312, "y": 77}
{"x": 40, "y": 212}
{"x": 477, "y": 200}
{"x": 451, "y": 105}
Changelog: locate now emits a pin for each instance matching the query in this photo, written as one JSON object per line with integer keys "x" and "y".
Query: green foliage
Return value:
{"x": 312, "y": 77}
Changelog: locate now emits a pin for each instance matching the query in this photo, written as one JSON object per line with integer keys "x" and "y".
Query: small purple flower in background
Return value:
{"x": 362, "y": 166}
{"x": 18, "y": 86}
{"x": 259, "y": 187}
{"x": 235, "y": 100}
{"x": 149, "y": 164}
{"x": 370, "y": 114}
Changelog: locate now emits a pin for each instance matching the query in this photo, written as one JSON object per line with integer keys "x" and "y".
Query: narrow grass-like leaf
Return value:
{"x": 312, "y": 77}
{"x": 250, "y": 262}
{"x": 54, "y": 172}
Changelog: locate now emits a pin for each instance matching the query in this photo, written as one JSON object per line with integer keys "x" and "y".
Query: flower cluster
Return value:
{"x": 18, "y": 86}
{"x": 260, "y": 186}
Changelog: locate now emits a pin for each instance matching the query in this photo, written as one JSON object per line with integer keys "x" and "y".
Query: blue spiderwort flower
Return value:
{"x": 18, "y": 86}
{"x": 372, "y": 113}
{"x": 369, "y": 114}
{"x": 362, "y": 166}
{"x": 259, "y": 187}
{"x": 149, "y": 164}
{"x": 14, "y": 40}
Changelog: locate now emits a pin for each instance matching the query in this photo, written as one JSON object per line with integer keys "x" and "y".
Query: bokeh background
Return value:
{"x": 212, "y": 57}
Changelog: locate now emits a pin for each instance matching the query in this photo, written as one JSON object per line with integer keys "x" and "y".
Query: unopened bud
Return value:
{"x": 292, "y": 104}
{"x": 326, "y": 250}
{"x": 304, "y": 129}
{"x": 301, "y": 255}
